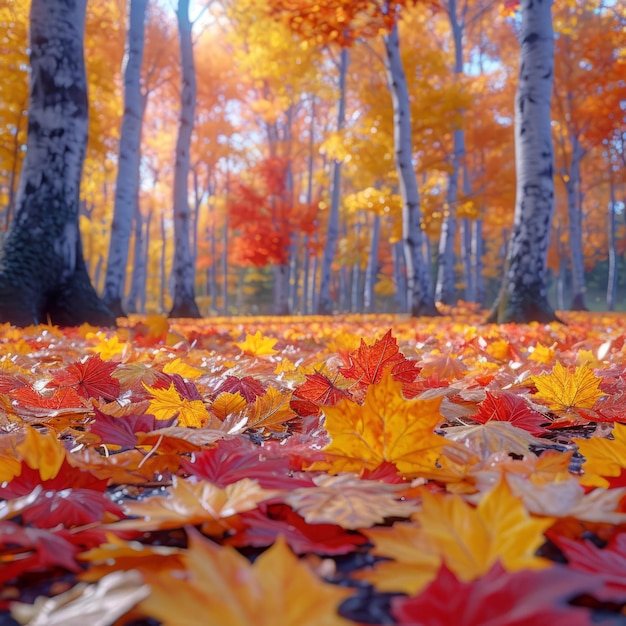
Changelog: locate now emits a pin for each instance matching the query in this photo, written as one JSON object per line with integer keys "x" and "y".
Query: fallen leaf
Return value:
{"x": 386, "y": 428}
{"x": 257, "y": 345}
{"x": 348, "y": 501}
{"x": 219, "y": 586}
{"x": 168, "y": 403}
{"x": 564, "y": 391}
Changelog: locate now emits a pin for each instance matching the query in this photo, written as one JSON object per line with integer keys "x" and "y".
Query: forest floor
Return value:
{"x": 314, "y": 471}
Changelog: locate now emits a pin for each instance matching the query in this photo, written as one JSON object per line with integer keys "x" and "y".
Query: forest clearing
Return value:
{"x": 302, "y": 471}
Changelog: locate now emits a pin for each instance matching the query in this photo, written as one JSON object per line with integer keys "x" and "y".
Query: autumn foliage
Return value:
{"x": 362, "y": 470}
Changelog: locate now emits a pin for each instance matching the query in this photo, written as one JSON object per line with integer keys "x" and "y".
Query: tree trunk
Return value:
{"x": 611, "y": 287}
{"x": 399, "y": 276}
{"x": 477, "y": 260}
{"x": 523, "y": 297}
{"x": 575, "y": 214}
{"x": 43, "y": 275}
{"x": 371, "y": 271}
{"x": 127, "y": 184}
{"x": 184, "y": 272}
{"x": 325, "y": 305}
{"x": 418, "y": 269}
{"x": 138, "y": 279}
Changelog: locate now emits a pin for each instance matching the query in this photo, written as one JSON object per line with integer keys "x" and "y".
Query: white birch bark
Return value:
{"x": 42, "y": 270}
{"x": 611, "y": 284}
{"x": 324, "y": 302}
{"x": 418, "y": 269}
{"x": 524, "y": 294}
{"x": 183, "y": 269}
{"x": 127, "y": 183}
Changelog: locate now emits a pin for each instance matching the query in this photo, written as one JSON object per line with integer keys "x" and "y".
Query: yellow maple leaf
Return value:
{"x": 177, "y": 366}
{"x": 220, "y": 586}
{"x": 542, "y": 354}
{"x": 564, "y": 391}
{"x": 603, "y": 457}
{"x": 270, "y": 411}
{"x": 470, "y": 540}
{"x": 386, "y": 428}
{"x": 166, "y": 403}
{"x": 257, "y": 345}
{"x": 107, "y": 348}
{"x": 227, "y": 404}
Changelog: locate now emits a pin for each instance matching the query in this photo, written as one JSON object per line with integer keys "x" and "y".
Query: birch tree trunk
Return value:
{"x": 324, "y": 303}
{"x": 575, "y": 214}
{"x": 399, "y": 276}
{"x": 127, "y": 184}
{"x": 371, "y": 271}
{"x": 42, "y": 270}
{"x": 611, "y": 286}
{"x": 184, "y": 273}
{"x": 523, "y": 297}
{"x": 477, "y": 260}
{"x": 420, "y": 299}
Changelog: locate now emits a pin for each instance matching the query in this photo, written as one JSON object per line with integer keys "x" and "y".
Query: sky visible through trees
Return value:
{"x": 269, "y": 162}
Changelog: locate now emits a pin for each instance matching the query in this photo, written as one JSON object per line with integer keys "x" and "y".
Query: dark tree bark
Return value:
{"x": 42, "y": 271}
{"x": 523, "y": 297}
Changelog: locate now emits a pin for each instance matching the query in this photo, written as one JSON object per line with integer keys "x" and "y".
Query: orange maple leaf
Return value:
{"x": 564, "y": 391}
{"x": 166, "y": 403}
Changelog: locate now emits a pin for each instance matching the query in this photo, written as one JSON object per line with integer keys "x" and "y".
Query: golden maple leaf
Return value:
{"x": 177, "y": 366}
{"x": 227, "y": 404}
{"x": 469, "y": 539}
{"x": 542, "y": 354}
{"x": 166, "y": 403}
{"x": 43, "y": 452}
{"x": 257, "y": 345}
{"x": 564, "y": 391}
{"x": 386, "y": 428}
{"x": 270, "y": 411}
{"x": 220, "y": 586}
{"x": 604, "y": 458}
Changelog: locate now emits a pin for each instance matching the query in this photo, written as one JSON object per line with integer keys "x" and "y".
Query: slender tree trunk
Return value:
{"x": 524, "y": 297}
{"x": 184, "y": 272}
{"x": 445, "y": 290}
{"x": 418, "y": 270}
{"x": 162, "y": 268}
{"x": 371, "y": 272}
{"x": 325, "y": 305}
{"x": 611, "y": 287}
{"x": 466, "y": 259}
{"x": 355, "y": 280}
{"x": 399, "y": 276}
{"x": 477, "y": 260}
{"x": 42, "y": 269}
{"x": 127, "y": 184}
{"x": 575, "y": 214}
{"x": 225, "y": 266}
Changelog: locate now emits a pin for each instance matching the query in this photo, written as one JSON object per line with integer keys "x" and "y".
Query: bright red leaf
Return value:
{"x": 247, "y": 386}
{"x": 498, "y": 599}
{"x": 91, "y": 378}
{"x": 509, "y": 407}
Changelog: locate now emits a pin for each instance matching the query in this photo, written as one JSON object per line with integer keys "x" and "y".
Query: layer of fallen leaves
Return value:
{"x": 314, "y": 471}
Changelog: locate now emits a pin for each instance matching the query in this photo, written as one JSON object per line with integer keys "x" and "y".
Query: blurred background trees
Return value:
{"x": 290, "y": 197}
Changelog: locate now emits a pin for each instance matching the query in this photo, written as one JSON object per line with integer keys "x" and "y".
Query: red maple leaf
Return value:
{"x": 366, "y": 363}
{"x": 608, "y": 563}
{"x": 69, "y": 508}
{"x": 67, "y": 477}
{"x": 91, "y": 378}
{"x": 246, "y": 386}
{"x": 64, "y": 398}
{"x": 498, "y": 599}
{"x": 319, "y": 389}
{"x": 263, "y": 525}
{"x": 509, "y": 407}
{"x": 9, "y": 383}
{"x": 122, "y": 431}
{"x": 234, "y": 459}
{"x": 33, "y": 550}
